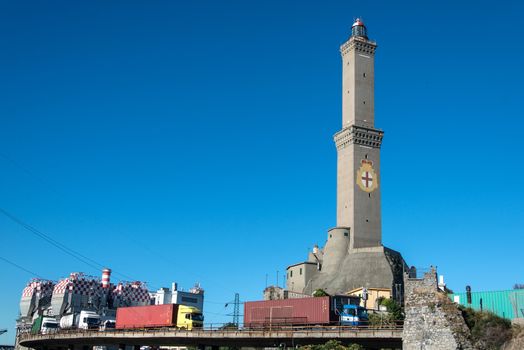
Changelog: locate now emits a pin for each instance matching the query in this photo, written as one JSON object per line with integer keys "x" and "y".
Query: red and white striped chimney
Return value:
{"x": 106, "y": 278}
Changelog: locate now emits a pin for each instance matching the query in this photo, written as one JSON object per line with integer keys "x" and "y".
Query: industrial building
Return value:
{"x": 194, "y": 297}
{"x": 79, "y": 293}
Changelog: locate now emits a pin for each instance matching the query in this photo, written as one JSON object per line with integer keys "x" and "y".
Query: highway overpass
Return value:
{"x": 289, "y": 337}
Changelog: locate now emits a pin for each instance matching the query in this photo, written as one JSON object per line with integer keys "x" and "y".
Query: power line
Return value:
{"x": 21, "y": 268}
{"x": 217, "y": 302}
{"x": 61, "y": 246}
{"x": 46, "y": 184}
{"x": 53, "y": 242}
{"x": 216, "y": 313}
{"x": 80, "y": 257}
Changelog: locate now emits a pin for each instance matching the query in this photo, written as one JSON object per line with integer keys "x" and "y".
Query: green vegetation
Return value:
{"x": 488, "y": 331}
{"x": 392, "y": 315}
{"x": 332, "y": 345}
{"x": 393, "y": 308}
{"x": 320, "y": 293}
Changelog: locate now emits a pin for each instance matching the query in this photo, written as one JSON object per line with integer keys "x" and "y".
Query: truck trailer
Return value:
{"x": 159, "y": 316}
{"x": 301, "y": 311}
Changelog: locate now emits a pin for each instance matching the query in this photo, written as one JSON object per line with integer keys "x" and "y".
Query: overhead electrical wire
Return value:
{"x": 73, "y": 253}
{"x": 49, "y": 187}
{"x": 22, "y": 268}
{"x": 53, "y": 242}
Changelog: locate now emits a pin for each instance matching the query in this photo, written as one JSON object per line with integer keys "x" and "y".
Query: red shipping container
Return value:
{"x": 146, "y": 316}
{"x": 288, "y": 311}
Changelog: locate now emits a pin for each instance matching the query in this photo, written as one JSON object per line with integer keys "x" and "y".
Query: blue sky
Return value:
{"x": 192, "y": 141}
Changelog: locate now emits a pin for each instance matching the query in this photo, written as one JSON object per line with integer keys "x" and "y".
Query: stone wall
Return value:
{"x": 432, "y": 321}
{"x": 273, "y": 293}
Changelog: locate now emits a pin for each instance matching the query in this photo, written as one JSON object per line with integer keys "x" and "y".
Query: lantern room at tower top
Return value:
{"x": 359, "y": 29}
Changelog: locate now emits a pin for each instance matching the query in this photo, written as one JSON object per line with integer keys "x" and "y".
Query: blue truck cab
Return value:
{"x": 353, "y": 315}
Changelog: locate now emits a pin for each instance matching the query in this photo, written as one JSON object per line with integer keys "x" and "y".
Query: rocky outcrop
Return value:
{"x": 432, "y": 321}
{"x": 517, "y": 342}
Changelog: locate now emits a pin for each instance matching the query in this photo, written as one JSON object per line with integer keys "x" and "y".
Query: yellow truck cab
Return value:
{"x": 189, "y": 317}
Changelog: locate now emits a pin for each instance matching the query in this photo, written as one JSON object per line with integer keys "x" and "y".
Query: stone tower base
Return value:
{"x": 377, "y": 267}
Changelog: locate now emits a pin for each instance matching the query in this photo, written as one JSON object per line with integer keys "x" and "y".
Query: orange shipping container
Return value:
{"x": 146, "y": 316}
{"x": 288, "y": 311}
{"x": 301, "y": 311}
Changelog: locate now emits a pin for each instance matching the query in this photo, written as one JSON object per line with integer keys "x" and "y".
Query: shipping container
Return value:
{"x": 37, "y": 324}
{"x": 146, "y": 316}
{"x": 152, "y": 316}
{"x": 302, "y": 311}
{"x": 505, "y": 303}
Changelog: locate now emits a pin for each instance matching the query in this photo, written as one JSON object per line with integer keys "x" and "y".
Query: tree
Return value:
{"x": 320, "y": 293}
{"x": 392, "y": 315}
{"x": 393, "y": 308}
{"x": 332, "y": 345}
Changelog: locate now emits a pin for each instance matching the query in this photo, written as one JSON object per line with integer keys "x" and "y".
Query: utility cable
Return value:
{"x": 53, "y": 242}
{"x": 22, "y": 268}
{"x": 49, "y": 187}
{"x": 80, "y": 257}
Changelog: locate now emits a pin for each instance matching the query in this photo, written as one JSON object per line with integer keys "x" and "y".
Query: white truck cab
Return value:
{"x": 82, "y": 320}
{"x": 88, "y": 320}
{"x": 49, "y": 325}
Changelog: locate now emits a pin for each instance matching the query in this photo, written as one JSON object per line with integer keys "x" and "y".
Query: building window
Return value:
{"x": 364, "y": 75}
{"x": 291, "y": 273}
{"x": 346, "y": 234}
{"x": 189, "y": 300}
{"x": 300, "y": 271}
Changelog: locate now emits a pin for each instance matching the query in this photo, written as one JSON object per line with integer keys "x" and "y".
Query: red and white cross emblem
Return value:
{"x": 367, "y": 179}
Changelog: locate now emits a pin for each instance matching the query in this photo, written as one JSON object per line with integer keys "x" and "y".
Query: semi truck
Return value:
{"x": 83, "y": 320}
{"x": 319, "y": 311}
{"x": 44, "y": 325}
{"x": 158, "y": 316}
{"x": 354, "y": 315}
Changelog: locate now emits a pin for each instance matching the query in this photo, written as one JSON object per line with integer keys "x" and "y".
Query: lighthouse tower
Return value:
{"x": 358, "y": 144}
{"x": 353, "y": 255}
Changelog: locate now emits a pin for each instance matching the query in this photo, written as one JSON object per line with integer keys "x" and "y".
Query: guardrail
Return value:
{"x": 217, "y": 328}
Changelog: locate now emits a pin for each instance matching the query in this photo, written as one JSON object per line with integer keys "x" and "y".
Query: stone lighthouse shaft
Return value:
{"x": 358, "y": 144}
